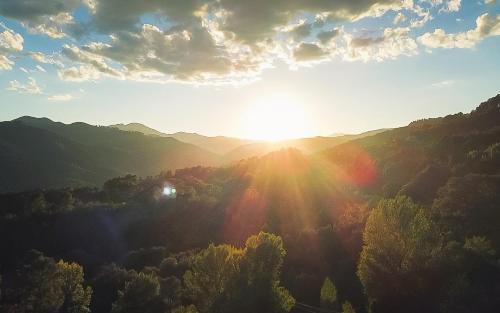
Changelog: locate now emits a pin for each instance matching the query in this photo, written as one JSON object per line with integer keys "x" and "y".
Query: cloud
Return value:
{"x": 190, "y": 54}
{"x": 391, "y": 44}
{"x": 452, "y": 6}
{"x": 78, "y": 74}
{"x": 399, "y": 18}
{"x": 326, "y": 36}
{"x": 85, "y": 56}
{"x": 44, "y": 59}
{"x": 219, "y": 41}
{"x": 301, "y": 31}
{"x": 309, "y": 52}
{"x": 48, "y": 17}
{"x": 444, "y": 83}
{"x": 10, "y": 43}
{"x": 60, "y": 97}
{"x": 486, "y": 26}
{"x": 31, "y": 87}
{"x": 205, "y": 39}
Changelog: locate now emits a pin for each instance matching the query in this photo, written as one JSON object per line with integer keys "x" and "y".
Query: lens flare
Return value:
{"x": 169, "y": 191}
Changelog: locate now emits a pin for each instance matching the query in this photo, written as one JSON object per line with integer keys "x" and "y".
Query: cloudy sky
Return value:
{"x": 198, "y": 65}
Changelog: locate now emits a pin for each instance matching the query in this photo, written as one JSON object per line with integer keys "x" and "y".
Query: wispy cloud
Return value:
{"x": 60, "y": 97}
{"x": 30, "y": 87}
{"x": 444, "y": 83}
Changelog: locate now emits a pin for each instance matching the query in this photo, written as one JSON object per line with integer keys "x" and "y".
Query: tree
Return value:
{"x": 140, "y": 295}
{"x": 464, "y": 213}
{"x": 257, "y": 286}
{"x": 44, "y": 286}
{"x": 76, "y": 296}
{"x": 328, "y": 295}
{"x": 400, "y": 256}
{"x": 347, "y": 308}
{"x": 227, "y": 279}
{"x": 121, "y": 189}
{"x": 106, "y": 284}
{"x": 212, "y": 270}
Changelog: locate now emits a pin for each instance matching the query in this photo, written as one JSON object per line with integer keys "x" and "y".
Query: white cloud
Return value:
{"x": 222, "y": 40}
{"x": 399, "y": 18}
{"x": 391, "y": 44}
{"x": 60, "y": 97}
{"x": 31, "y": 87}
{"x": 451, "y": 6}
{"x": 43, "y": 58}
{"x": 78, "y": 74}
{"x": 444, "y": 83}
{"x": 486, "y": 26}
{"x": 40, "y": 68}
{"x": 10, "y": 43}
{"x": 5, "y": 63}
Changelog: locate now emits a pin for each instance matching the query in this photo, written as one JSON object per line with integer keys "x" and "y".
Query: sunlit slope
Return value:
{"x": 305, "y": 145}
{"x": 418, "y": 159}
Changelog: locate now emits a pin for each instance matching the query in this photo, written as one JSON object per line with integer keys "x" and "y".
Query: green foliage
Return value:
{"x": 480, "y": 246}
{"x": 347, "y": 308}
{"x": 76, "y": 296}
{"x": 401, "y": 251}
{"x": 121, "y": 188}
{"x": 227, "y": 279}
{"x": 140, "y": 295}
{"x": 328, "y": 294}
{"x": 42, "y": 285}
{"x": 211, "y": 274}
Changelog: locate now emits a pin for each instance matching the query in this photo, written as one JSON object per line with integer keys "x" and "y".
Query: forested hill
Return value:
{"x": 40, "y": 153}
{"x": 403, "y": 221}
{"x": 418, "y": 159}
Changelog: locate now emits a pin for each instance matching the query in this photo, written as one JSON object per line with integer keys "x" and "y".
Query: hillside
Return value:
{"x": 94, "y": 154}
{"x": 418, "y": 159}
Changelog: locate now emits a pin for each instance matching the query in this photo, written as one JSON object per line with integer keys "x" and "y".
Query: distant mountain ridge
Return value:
{"x": 218, "y": 144}
{"x": 141, "y": 128}
{"x": 47, "y": 154}
{"x": 234, "y": 149}
{"x": 52, "y": 154}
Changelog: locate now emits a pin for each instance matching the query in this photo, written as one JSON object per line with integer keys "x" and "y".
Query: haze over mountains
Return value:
{"x": 41, "y": 153}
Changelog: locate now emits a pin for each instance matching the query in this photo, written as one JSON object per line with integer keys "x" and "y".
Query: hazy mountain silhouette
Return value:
{"x": 52, "y": 154}
{"x": 141, "y": 128}
{"x": 305, "y": 145}
{"x": 234, "y": 149}
{"x": 218, "y": 144}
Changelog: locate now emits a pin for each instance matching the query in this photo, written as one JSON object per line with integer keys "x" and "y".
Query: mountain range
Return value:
{"x": 41, "y": 153}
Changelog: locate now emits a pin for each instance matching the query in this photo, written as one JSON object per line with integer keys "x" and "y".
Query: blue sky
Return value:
{"x": 175, "y": 72}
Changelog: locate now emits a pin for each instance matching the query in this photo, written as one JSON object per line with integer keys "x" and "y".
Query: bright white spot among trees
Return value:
{"x": 169, "y": 191}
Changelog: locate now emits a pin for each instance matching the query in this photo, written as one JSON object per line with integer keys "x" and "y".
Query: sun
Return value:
{"x": 275, "y": 118}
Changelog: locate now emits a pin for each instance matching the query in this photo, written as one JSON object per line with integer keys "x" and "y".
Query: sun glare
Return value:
{"x": 275, "y": 118}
